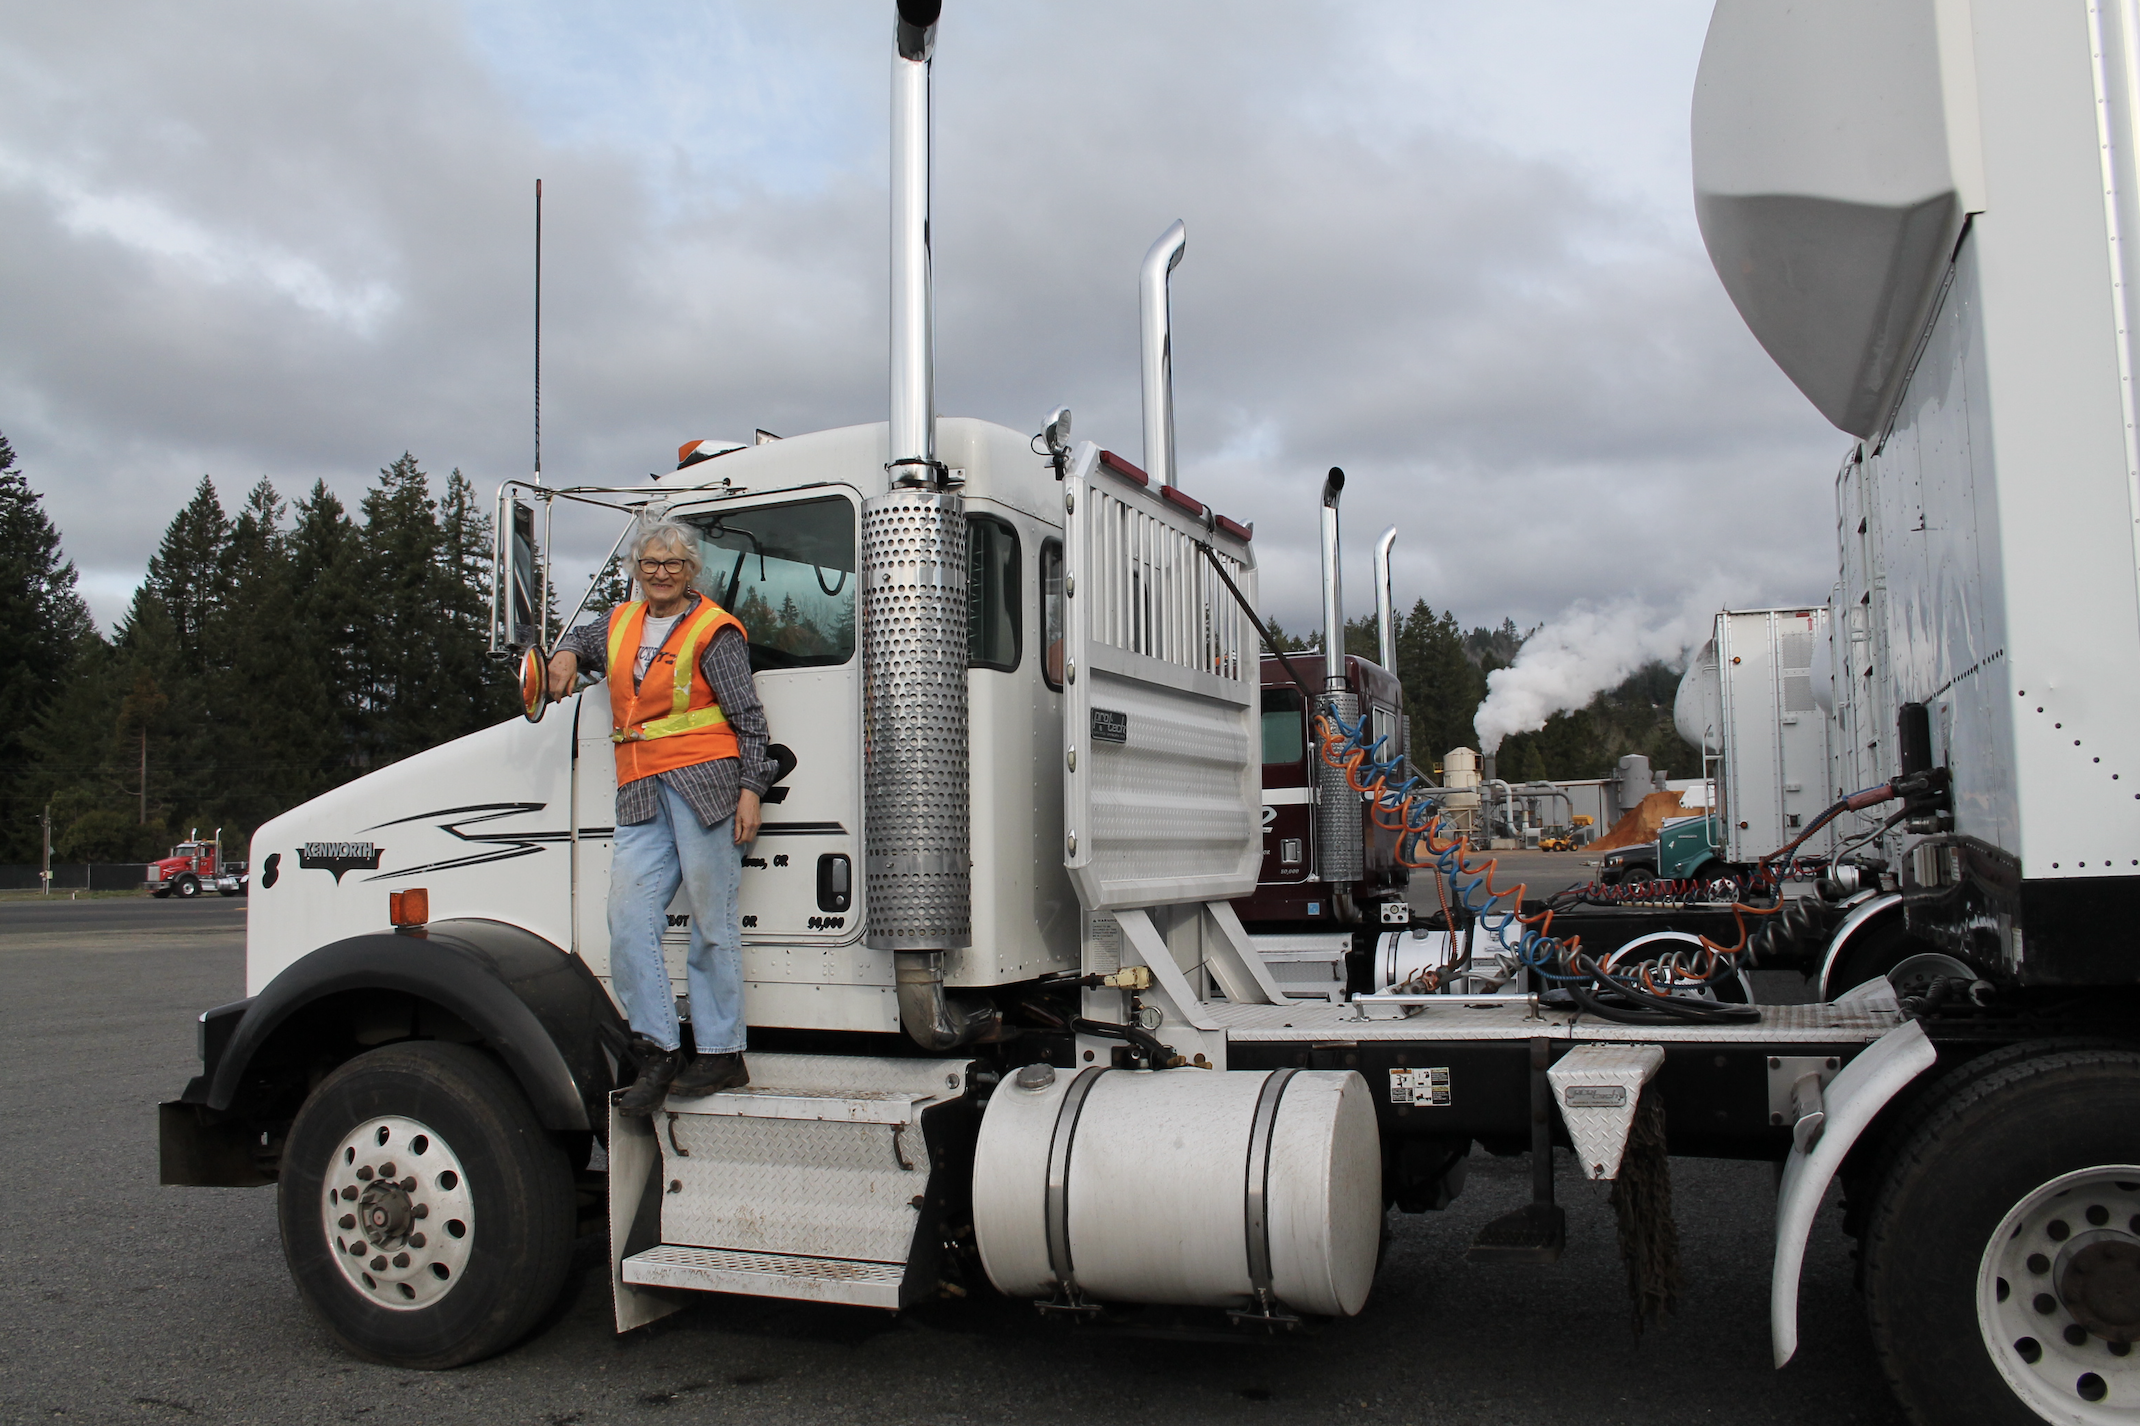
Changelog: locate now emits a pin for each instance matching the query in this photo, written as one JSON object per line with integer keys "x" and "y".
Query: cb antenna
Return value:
{"x": 538, "y": 331}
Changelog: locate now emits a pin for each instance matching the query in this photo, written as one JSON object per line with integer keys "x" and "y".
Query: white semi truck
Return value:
{"x": 1007, "y": 1033}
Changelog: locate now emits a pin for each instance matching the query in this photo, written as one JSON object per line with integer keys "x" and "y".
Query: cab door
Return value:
{"x": 786, "y": 566}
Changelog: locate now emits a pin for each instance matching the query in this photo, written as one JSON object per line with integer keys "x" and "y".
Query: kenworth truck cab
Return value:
{"x": 1008, "y": 1033}
{"x": 194, "y": 865}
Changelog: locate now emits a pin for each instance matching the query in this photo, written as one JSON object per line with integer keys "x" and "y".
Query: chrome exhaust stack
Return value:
{"x": 1385, "y": 604}
{"x": 1156, "y": 322}
{"x": 916, "y": 853}
{"x": 1340, "y": 844}
{"x": 913, "y": 436}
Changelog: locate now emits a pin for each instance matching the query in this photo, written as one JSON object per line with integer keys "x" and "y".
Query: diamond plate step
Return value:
{"x": 842, "y": 1106}
{"x": 833, "y": 1089}
{"x": 853, "y": 1281}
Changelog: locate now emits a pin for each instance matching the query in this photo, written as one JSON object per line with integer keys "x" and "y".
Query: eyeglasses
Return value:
{"x": 662, "y": 566}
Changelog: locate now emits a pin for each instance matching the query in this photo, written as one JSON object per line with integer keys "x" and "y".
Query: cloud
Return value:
{"x": 1587, "y": 649}
{"x": 1446, "y": 250}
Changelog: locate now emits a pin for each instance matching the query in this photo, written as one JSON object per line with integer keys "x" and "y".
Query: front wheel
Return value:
{"x": 2002, "y": 1262}
{"x": 187, "y": 887}
{"x": 427, "y": 1216}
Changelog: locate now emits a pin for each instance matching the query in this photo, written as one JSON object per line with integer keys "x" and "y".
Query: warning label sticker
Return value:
{"x": 1425, "y": 1087}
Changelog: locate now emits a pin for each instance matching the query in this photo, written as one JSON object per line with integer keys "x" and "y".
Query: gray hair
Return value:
{"x": 675, "y": 534}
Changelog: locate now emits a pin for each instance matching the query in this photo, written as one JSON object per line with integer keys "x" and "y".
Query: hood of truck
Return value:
{"x": 482, "y": 823}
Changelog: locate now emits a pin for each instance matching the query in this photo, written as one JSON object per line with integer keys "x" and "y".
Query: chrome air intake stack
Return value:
{"x": 1340, "y": 851}
{"x": 914, "y": 619}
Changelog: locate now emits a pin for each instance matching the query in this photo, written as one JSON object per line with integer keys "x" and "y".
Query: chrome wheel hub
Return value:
{"x": 399, "y": 1213}
{"x": 2058, "y": 1296}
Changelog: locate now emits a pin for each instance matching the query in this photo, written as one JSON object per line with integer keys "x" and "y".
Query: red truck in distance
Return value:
{"x": 195, "y": 865}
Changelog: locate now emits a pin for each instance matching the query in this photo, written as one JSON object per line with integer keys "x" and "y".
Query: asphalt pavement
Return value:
{"x": 123, "y": 1301}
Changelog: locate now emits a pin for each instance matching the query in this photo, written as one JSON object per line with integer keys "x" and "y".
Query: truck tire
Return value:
{"x": 2003, "y": 1249}
{"x": 187, "y": 886}
{"x": 427, "y": 1217}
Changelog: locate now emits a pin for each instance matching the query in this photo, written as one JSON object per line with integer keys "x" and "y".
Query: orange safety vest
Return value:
{"x": 672, "y": 722}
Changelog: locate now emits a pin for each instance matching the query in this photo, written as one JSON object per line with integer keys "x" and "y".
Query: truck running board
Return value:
{"x": 855, "y": 1281}
{"x": 816, "y": 1182}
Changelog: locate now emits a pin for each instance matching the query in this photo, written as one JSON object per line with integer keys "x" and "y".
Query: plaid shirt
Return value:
{"x": 709, "y": 787}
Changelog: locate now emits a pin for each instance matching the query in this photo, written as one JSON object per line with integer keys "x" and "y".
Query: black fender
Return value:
{"x": 537, "y": 1007}
{"x": 1877, "y": 912}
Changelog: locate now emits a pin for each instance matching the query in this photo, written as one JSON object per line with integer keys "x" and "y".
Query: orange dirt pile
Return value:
{"x": 1640, "y": 823}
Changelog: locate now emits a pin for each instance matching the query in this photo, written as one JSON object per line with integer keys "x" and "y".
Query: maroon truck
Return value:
{"x": 1292, "y": 895}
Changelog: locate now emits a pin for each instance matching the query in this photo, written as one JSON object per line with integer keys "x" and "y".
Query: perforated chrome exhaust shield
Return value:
{"x": 914, "y": 789}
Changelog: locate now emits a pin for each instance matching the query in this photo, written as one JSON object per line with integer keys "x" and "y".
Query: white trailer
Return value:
{"x": 1748, "y": 701}
{"x": 1008, "y": 1034}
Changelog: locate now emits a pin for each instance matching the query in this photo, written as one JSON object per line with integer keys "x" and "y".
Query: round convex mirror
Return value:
{"x": 534, "y": 685}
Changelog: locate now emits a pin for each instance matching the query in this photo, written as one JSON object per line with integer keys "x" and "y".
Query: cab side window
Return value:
{"x": 994, "y": 632}
{"x": 1284, "y": 740}
{"x": 1051, "y": 612}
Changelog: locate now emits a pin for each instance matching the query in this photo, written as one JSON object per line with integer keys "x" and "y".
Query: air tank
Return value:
{"x": 1199, "y": 1188}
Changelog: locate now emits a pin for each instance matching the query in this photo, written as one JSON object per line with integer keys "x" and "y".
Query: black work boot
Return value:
{"x": 657, "y": 1067}
{"x": 710, "y": 1074}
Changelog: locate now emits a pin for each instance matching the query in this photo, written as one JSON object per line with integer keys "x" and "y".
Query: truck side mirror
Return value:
{"x": 516, "y": 598}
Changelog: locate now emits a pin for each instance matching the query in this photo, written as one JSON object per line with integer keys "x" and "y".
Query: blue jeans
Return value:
{"x": 653, "y": 859}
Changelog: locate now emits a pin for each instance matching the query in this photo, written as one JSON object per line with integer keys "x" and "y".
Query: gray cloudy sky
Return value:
{"x": 1448, "y": 246}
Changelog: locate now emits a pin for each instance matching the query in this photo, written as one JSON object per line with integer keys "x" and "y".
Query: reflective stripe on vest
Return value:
{"x": 693, "y": 729}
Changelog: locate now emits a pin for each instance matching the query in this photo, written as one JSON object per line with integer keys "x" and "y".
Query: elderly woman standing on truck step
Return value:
{"x": 690, "y": 739}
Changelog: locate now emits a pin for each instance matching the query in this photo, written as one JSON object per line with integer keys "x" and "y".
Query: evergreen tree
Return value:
{"x": 44, "y": 628}
{"x": 462, "y": 636}
{"x": 1442, "y": 686}
{"x": 167, "y": 642}
{"x": 269, "y": 704}
{"x": 327, "y": 603}
{"x": 397, "y": 563}
{"x": 153, "y": 751}
{"x": 186, "y": 573}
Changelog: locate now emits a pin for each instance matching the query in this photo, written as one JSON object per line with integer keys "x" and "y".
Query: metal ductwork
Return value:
{"x": 1385, "y": 603}
{"x": 1340, "y": 850}
{"x": 1157, "y": 324}
{"x": 914, "y": 619}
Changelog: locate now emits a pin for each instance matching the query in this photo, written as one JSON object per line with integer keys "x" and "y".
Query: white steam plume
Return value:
{"x": 1585, "y": 651}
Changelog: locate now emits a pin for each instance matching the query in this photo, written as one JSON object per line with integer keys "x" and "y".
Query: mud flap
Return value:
{"x": 634, "y": 1217}
{"x": 1852, "y": 1099}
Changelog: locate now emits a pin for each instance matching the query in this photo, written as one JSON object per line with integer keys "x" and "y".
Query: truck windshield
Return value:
{"x": 788, "y": 572}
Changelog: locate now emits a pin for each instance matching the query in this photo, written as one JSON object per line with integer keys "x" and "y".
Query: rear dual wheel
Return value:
{"x": 2002, "y": 1259}
{"x": 427, "y": 1216}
